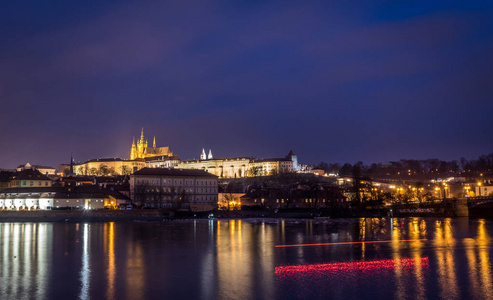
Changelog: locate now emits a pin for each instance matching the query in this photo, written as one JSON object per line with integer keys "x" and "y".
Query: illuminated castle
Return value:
{"x": 141, "y": 150}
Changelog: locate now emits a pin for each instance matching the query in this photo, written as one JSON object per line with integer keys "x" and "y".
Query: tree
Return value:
{"x": 93, "y": 171}
{"x": 346, "y": 170}
{"x": 126, "y": 170}
{"x": 103, "y": 170}
{"x": 255, "y": 171}
{"x": 357, "y": 181}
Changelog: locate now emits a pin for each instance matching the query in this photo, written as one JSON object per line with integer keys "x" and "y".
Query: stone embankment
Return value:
{"x": 81, "y": 215}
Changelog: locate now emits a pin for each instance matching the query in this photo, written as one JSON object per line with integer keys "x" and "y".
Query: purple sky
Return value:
{"x": 335, "y": 81}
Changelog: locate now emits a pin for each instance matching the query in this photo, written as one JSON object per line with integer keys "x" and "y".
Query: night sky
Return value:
{"x": 334, "y": 81}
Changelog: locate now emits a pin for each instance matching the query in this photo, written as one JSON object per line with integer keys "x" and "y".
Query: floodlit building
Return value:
{"x": 483, "y": 190}
{"x": 45, "y": 170}
{"x": 238, "y": 167}
{"x": 44, "y": 198}
{"x": 141, "y": 149}
{"x": 108, "y": 166}
{"x": 162, "y": 161}
{"x": 194, "y": 190}
{"x": 270, "y": 166}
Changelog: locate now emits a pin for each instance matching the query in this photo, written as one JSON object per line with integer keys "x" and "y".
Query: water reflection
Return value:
{"x": 208, "y": 259}
{"x": 26, "y": 256}
{"x": 479, "y": 265}
{"x": 110, "y": 229}
{"x": 85, "y": 271}
{"x": 134, "y": 266}
{"x": 445, "y": 242}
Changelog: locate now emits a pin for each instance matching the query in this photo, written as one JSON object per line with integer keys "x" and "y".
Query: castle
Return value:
{"x": 141, "y": 150}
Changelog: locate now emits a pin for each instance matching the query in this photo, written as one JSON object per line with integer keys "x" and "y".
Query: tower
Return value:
{"x": 203, "y": 156}
{"x": 133, "y": 151}
{"x": 71, "y": 170}
{"x": 210, "y": 154}
{"x": 141, "y": 146}
{"x": 291, "y": 156}
{"x": 154, "y": 142}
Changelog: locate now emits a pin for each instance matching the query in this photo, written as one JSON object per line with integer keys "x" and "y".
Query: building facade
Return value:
{"x": 45, "y": 170}
{"x": 162, "y": 161}
{"x": 194, "y": 190}
{"x": 483, "y": 190}
{"x": 29, "y": 178}
{"x": 238, "y": 167}
{"x": 46, "y": 198}
{"x": 221, "y": 167}
{"x": 108, "y": 167}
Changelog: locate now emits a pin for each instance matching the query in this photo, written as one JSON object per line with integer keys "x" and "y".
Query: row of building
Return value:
{"x": 152, "y": 177}
{"x": 29, "y": 189}
{"x": 142, "y": 156}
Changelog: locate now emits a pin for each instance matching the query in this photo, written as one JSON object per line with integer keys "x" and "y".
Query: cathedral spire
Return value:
{"x": 71, "y": 170}
{"x": 203, "y": 156}
{"x": 154, "y": 142}
{"x": 210, "y": 154}
{"x": 142, "y": 135}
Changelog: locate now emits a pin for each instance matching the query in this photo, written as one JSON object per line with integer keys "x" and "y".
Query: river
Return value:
{"x": 398, "y": 258}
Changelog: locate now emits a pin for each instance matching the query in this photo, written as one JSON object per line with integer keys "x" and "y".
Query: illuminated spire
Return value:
{"x": 142, "y": 135}
{"x": 210, "y": 154}
{"x": 203, "y": 156}
{"x": 154, "y": 142}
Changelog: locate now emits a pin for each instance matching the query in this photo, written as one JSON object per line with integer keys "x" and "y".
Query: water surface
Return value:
{"x": 415, "y": 258}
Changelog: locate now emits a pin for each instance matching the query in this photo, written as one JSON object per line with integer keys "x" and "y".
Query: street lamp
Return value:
{"x": 479, "y": 189}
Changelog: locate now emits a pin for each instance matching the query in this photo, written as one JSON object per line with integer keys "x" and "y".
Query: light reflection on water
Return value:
{"x": 209, "y": 259}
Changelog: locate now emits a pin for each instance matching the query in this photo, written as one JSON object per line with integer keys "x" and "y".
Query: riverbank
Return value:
{"x": 81, "y": 215}
{"x": 160, "y": 215}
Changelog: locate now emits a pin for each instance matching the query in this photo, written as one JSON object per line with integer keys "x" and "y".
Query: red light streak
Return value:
{"x": 371, "y": 265}
{"x": 347, "y": 243}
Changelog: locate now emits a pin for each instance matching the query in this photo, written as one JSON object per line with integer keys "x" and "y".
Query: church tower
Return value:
{"x": 141, "y": 145}
{"x": 133, "y": 151}
{"x": 141, "y": 149}
{"x": 203, "y": 156}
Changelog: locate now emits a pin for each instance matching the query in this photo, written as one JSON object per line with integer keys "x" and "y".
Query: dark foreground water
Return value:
{"x": 414, "y": 258}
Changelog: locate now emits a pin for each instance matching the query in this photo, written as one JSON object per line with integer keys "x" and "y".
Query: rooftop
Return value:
{"x": 29, "y": 174}
{"x": 173, "y": 172}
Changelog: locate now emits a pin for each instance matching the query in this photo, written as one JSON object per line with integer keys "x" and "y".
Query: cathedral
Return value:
{"x": 141, "y": 150}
